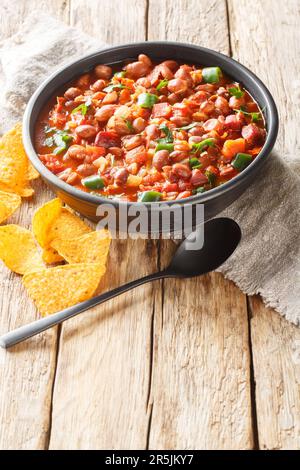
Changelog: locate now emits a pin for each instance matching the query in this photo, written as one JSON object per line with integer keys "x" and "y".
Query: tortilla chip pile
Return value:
{"x": 63, "y": 237}
{"x": 16, "y": 172}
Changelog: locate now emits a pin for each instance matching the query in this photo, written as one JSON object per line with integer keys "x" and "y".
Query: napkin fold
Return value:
{"x": 267, "y": 261}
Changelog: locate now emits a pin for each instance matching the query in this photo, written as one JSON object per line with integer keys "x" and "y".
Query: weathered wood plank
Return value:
{"x": 112, "y": 22}
{"x": 276, "y": 354}
{"x": 271, "y": 48}
{"x": 27, "y": 370}
{"x": 200, "y": 389}
{"x": 102, "y": 381}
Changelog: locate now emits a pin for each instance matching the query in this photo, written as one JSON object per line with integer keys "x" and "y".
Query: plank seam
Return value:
{"x": 48, "y": 436}
{"x": 228, "y": 27}
{"x": 252, "y": 382}
{"x": 146, "y": 19}
{"x": 149, "y": 405}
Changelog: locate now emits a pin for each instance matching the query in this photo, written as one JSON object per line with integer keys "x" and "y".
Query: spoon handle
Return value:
{"x": 27, "y": 331}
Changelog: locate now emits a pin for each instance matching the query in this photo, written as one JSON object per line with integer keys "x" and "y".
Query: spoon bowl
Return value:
{"x": 220, "y": 238}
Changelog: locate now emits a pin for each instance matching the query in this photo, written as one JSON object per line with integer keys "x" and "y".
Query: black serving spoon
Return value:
{"x": 221, "y": 237}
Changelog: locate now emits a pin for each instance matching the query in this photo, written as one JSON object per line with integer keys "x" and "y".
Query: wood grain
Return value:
{"x": 200, "y": 390}
{"x": 27, "y": 370}
{"x": 276, "y": 353}
{"x": 102, "y": 382}
{"x": 273, "y": 53}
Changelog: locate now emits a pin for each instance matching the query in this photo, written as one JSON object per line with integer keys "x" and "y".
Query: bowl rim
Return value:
{"x": 202, "y": 198}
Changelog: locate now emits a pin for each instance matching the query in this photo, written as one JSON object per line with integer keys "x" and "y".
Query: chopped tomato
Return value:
{"x": 161, "y": 110}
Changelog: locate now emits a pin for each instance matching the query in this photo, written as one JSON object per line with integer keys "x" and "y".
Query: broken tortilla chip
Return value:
{"x": 43, "y": 219}
{"x": 32, "y": 173}
{"x": 52, "y": 221}
{"x": 9, "y": 203}
{"x": 18, "y": 249}
{"x": 67, "y": 226}
{"x": 14, "y": 163}
{"x": 54, "y": 289}
{"x": 89, "y": 248}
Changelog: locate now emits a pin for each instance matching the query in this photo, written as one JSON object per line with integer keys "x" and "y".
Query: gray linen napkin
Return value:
{"x": 267, "y": 260}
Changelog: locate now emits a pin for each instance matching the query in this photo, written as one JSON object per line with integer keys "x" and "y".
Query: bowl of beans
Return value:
{"x": 157, "y": 123}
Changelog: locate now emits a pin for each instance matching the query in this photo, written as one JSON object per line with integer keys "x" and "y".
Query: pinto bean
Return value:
{"x": 110, "y": 98}
{"x": 116, "y": 151}
{"x": 104, "y": 113}
{"x": 212, "y": 125}
{"x": 234, "y": 121}
{"x": 84, "y": 80}
{"x": 77, "y": 152}
{"x": 103, "y": 71}
{"x": 180, "y": 121}
{"x": 198, "y": 178}
{"x": 222, "y": 105}
{"x": 121, "y": 176}
{"x": 184, "y": 73}
{"x": 72, "y": 92}
{"x": 86, "y": 169}
{"x": 160, "y": 159}
{"x": 173, "y": 98}
{"x": 137, "y": 69}
{"x": 144, "y": 58}
{"x": 73, "y": 178}
{"x": 177, "y": 85}
{"x": 171, "y": 64}
{"x": 178, "y": 156}
{"x": 86, "y": 131}
{"x": 253, "y": 135}
{"x": 181, "y": 171}
{"x": 118, "y": 125}
{"x": 139, "y": 124}
{"x": 98, "y": 85}
{"x": 195, "y": 139}
{"x": 207, "y": 107}
{"x": 152, "y": 131}
{"x": 197, "y": 130}
{"x": 132, "y": 142}
{"x": 236, "y": 103}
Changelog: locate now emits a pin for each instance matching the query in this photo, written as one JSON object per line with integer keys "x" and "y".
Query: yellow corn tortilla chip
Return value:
{"x": 32, "y": 173}
{"x": 53, "y": 221}
{"x": 18, "y": 249}
{"x": 53, "y": 289}
{"x": 43, "y": 219}
{"x": 89, "y": 248}
{"x": 14, "y": 163}
{"x": 9, "y": 203}
{"x": 51, "y": 256}
{"x": 67, "y": 226}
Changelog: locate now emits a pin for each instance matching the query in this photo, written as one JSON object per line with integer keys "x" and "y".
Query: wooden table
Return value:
{"x": 178, "y": 364}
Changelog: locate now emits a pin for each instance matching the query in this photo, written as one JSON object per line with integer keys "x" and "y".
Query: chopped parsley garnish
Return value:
{"x": 61, "y": 140}
{"x": 211, "y": 177}
{"x": 162, "y": 84}
{"x": 194, "y": 163}
{"x": 113, "y": 86}
{"x": 129, "y": 125}
{"x": 168, "y": 133}
{"x": 199, "y": 146}
{"x": 255, "y": 116}
{"x": 83, "y": 107}
{"x": 189, "y": 126}
{"x": 120, "y": 74}
{"x": 236, "y": 91}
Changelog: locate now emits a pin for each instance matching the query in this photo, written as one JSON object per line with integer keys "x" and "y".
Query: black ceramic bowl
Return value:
{"x": 214, "y": 200}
